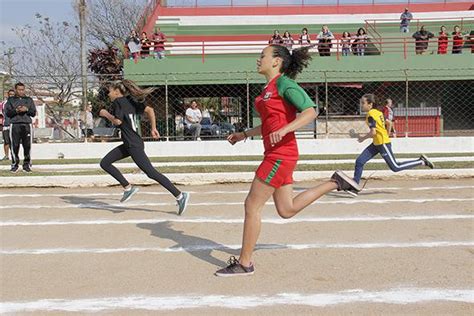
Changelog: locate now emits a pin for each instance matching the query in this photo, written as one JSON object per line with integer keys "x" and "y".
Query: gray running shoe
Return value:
{"x": 235, "y": 269}
{"x": 183, "y": 202}
{"x": 345, "y": 183}
{"x": 427, "y": 162}
{"x": 127, "y": 195}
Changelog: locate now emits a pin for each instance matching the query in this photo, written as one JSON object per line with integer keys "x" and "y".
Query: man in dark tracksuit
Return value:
{"x": 20, "y": 109}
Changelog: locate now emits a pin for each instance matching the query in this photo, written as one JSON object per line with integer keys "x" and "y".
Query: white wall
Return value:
{"x": 255, "y": 147}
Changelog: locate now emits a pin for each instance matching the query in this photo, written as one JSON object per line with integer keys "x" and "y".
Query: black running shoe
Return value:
{"x": 235, "y": 269}
{"x": 14, "y": 169}
{"x": 427, "y": 162}
{"x": 353, "y": 193}
{"x": 345, "y": 183}
{"x": 26, "y": 168}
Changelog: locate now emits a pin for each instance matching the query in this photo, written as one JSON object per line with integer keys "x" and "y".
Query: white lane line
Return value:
{"x": 215, "y": 246}
{"x": 277, "y": 221}
{"x": 37, "y": 195}
{"x": 160, "y": 303}
{"x": 129, "y": 205}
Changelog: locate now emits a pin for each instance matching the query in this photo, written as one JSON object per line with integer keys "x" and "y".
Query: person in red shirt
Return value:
{"x": 458, "y": 40}
{"x": 276, "y": 38}
{"x": 443, "y": 39}
{"x": 278, "y": 105}
{"x": 159, "y": 40}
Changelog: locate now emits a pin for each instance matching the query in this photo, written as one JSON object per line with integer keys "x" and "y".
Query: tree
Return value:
{"x": 109, "y": 22}
{"x": 47, "y": 60}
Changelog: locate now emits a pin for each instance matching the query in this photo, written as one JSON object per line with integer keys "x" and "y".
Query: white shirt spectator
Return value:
{"x": 194, "y": 114}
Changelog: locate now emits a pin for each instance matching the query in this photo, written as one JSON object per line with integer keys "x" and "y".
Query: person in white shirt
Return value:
{"x": 193, "y": 120}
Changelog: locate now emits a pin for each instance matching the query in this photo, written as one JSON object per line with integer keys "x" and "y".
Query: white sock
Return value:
{"x": 180, "y": 196}
{"x": 126, "y": 190}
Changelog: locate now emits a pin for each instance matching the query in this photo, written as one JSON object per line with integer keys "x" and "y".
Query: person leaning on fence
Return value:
{"x": 458, "y": 40}
{"x": 389, "y": 118}
{"x": 422, "y": 38}
{"x": 360, "y": 42}
{"x": 159, "y": 39}
{"x": 5, "y": 125}
{"x": 20, "y": 109}
{"x": 276, "y": 38}
{"x": 405, "y": 19}
{"x": 304, "y": 39}
{"x": 346, "y": 43}
{"x": 443, "y": 40}
{"x": 325, "y": 38}
{"x": 287, "y": 40}
{"x": 193, "y": 119}
{"x": 133, "y": 44}
{"x": 145, "y": 45}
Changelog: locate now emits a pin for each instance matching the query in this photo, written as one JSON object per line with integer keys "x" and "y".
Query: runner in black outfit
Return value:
{"x": 127, "y": 104}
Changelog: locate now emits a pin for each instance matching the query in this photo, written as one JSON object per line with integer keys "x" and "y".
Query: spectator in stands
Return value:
{"x": 287, "y": 40}
{"x": 304, "y": 38}
{"x": 86, "y": 122}
{"x": 443, "y": 39}
{"x": 458, "y": 40}
{"x": 146, "y": 44}
{"x": 405, "y": 19}
{"x": 325, "y": 38}
{"x": 389, "y": 118}
{"x": 346, "y": 43}
{"x": 276, "y": 38}
{"x": 133, "y": 44}
{"x": 422, "y": 38}
{"x": 5, "y": 125}
{"x": 159, "y": 40}
{"x": 360, "y": 42}
{"x": 193, "y": 120}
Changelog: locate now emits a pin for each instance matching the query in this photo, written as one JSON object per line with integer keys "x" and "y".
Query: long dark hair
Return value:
{"x": 293, "y": 63}
{"x": 129, "y": 88}
{"x": 375, "y": 100}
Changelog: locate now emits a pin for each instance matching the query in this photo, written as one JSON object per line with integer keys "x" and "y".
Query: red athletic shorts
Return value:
{"x": 276, "y": 172}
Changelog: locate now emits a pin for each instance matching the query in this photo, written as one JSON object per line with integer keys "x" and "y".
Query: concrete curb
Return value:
{"x": 212, "y": 178}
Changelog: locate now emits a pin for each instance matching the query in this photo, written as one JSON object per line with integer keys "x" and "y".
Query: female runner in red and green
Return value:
{"x": 277, "y": 105}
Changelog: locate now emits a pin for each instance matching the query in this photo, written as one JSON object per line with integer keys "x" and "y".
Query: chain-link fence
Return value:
{"x": 425, "y": 103}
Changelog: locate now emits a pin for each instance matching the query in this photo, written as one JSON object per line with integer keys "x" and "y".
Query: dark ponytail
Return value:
{"x": 293, "y": 63}
{"x": 129, "y": 88}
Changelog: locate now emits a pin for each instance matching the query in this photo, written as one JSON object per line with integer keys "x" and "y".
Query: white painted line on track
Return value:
{"x": 124, "y": 206}
{"x": 211, "y": 247}
{"x": 38, "y": 195}
{"x": 163, "y": 303}
{"x": 206, "y": 220}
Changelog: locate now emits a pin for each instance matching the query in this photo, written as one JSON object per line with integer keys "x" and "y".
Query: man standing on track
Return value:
{"x": 20, "y": 109}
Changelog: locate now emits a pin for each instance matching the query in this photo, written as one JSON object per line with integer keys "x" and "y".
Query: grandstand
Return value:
{"x": 211, "y": 53}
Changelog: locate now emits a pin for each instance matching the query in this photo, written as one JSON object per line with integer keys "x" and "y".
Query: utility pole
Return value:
{"x": 82, "y": 26}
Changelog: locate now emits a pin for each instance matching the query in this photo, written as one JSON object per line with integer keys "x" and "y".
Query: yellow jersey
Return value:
{"x": 375, "y": 119}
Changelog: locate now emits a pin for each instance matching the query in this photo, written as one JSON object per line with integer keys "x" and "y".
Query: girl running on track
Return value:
{"x": 127, "y": 104}
{"x": 380, "y": 142}
{"x": 277, "y": 105}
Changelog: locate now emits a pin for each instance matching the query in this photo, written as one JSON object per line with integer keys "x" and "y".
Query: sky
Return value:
{"x": 16, "y": 13}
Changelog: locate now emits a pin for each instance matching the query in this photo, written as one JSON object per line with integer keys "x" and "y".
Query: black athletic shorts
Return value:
{"x": 6, "y": 136}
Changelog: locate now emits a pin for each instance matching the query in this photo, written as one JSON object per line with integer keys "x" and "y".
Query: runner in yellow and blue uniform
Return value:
{"x": 381, "y": 142}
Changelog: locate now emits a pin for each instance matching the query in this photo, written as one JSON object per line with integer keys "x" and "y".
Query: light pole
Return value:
{"x": 82, "y": 26}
